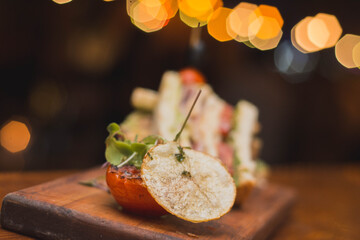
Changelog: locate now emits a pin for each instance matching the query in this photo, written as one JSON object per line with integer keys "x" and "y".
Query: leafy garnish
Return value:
{"x": 120, "y": 151}
{"x": 181, "y": 155}
{"x": 186, "y": 173}
{"x": 98, "y": 182}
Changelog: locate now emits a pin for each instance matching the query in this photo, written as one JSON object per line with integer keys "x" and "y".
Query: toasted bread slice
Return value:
{"x": 144, "y": 99}
{"x": 196, "y": 189}
{"x": 245, "y": 120}
{"x": 167, "y": 115}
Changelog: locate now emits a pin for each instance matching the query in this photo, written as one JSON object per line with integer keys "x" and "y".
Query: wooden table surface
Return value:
{"x": 328, "y": 202}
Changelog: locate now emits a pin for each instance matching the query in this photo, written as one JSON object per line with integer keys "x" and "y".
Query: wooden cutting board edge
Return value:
{"x": 63, "y": 223}
{"x": 58, "y": 225}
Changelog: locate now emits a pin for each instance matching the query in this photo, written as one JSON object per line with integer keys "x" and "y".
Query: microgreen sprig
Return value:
{"x": 181, "y": 155}
{"x": 187, "y": 117}
{"x": 120, "y": 151}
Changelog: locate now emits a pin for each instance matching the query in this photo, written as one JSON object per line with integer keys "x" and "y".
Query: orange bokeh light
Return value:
{"x": 14, "y": 136}
{"x": 317, "y": 32}
{"x": 264, "y": 28}
{"x": 313, "y": 34}
{"x": 347, "y": 51}
{"x": 356, "y": 54}
{"x": 301, "y": 37}
{"x": 270, "y": 11}
{"x": 171, "y": 7}
{"x": 238, "y": 21}
{"x": 192, "y": 11}
{"x": 268, "y": 23}
{"x": 151, "y": 15}
{"x": 217, "y": 24}
{"x": 333, "y": 27}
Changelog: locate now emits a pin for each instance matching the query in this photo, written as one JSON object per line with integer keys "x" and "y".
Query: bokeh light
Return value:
{"x": 318, "y": 32}
{"x": 313, "y": 34}
{"x": 217, "y": 24}
{"x": 293, "y": 41}
{"x": 256, "y": 26}
{"x": 266, "y": 44}
{"x": 249, "y": 44}
{"x": 47, "y": 100}
{"x": 195, "y": 13}
{"x": 61, "y": 1}
{"x": 268, "y": 23}
{"x": 151, "y": 15}
{"x": 171, "y": 7}
{"x": 347, "y": 51}
{"x": 191, "y": 21}
{"x": 300, "y": 37}
{"x": 356, "y": 54}
{"x": 14, "y": 136}
{"x": 289, "y": 61}
{"x": 333, "y": 27}
{"x": 238, "y": 21}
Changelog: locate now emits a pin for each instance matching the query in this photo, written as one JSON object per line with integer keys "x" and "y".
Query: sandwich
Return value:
{"x": 154, "y": 176}
{"x": 214, "y": 127}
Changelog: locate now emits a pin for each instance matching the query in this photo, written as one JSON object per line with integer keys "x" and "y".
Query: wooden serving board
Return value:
{"x": 64, "y": 209}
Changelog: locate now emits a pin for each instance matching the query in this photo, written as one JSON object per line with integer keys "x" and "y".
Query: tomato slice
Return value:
{"x": 191, "y": 76}
{"x": 130, "y": 192}
{"x": 226, "y": 119}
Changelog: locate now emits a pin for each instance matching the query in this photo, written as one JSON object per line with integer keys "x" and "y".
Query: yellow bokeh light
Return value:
{"x": 199, "y": 9}
{"x": 333, "y": 27}
{"x": 266, "y": 44}
{"x": 61, "y": 1}
{"x": 344, "y": 50}
{"x": 238, "y": 21}
{"x": 14, "y": 136}
{"x": 198, "y": 6}
{"x": 191, "y": 21}
{"x": 249, "y": 44}
{"x": 217, "y": 24}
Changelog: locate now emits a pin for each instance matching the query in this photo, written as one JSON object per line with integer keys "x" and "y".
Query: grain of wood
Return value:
{"x": 65, "y": 209}
{"x": 334, "y": 213}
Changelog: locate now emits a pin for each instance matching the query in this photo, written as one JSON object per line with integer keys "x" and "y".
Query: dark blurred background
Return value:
{"x": 68, "y": 70}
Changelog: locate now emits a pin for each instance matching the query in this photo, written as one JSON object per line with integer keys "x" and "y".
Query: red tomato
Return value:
{"x": 191, "y": 75}
{"x": 226, "y": 119}
{"x": 130, "y": 192}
